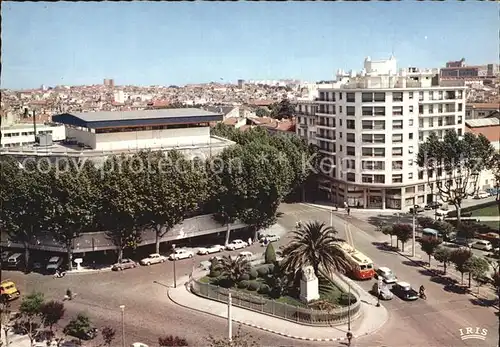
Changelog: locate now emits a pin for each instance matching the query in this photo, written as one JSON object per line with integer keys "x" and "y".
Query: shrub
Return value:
{"x": 214, "y": 273}
{"x": 264, "y": 289}
{"x": 270, "y": 268}
{"x": 224, "y": 283}
{"x": 245, "y": 277}
{"x": 344, "y": 299}
{"x": 243, "y": 284}
{"x": 270, "y": 255}
{"x": 253, "y": 274}
{"x": 263, "y": 271}
{"x": 171, "y": 341}
{"x": 253, "y": 286}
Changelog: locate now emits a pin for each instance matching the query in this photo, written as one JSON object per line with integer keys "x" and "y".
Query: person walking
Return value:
{"x": 349, "y": 338}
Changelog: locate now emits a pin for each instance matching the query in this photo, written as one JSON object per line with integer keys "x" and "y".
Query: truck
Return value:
{"x": 8, "y": 290}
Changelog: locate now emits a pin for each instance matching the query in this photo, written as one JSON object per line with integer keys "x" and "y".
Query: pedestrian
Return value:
{"x": 249, "y": 241}
{"x": 348, "y": 211}
{"x": 336, "y": 207}
{"x": 349, "y": 338}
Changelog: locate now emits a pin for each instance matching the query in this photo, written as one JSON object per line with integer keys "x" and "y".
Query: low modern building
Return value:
{"x": 459, "y": 70}
{"x": 368, "y": 127}
{"x": 481, "y": 110}
{"x": 23, "y": 134}
{"x": 97, "y": 135}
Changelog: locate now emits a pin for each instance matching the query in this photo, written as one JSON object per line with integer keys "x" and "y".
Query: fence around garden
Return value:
{"x": 260, "y": 304}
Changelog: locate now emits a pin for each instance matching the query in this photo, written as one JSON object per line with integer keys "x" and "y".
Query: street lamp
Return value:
{"x": 349, "y": 310}
{"x": 173, "y": 257}
{"x": 229, "y": 317}
{"x": 122, "y": 307}
{"x": 378, "y": 292}
{"x": 414, "y": 212}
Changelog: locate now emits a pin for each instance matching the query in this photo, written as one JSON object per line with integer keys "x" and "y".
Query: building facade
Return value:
{"x": 368, "y": 127}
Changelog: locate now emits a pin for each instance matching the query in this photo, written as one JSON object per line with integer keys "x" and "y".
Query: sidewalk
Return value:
{"x": 85, "y": 269}
{"x": 371, "y": 320}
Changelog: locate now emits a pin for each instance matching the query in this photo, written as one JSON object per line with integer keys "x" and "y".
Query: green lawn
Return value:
{"x": 494, "y": 225}
{"x": 486, "y": 211}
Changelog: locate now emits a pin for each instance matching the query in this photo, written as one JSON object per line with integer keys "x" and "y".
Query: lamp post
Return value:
{"x": 173, "y": 257}
{"x": 331, "y": 218}
{"x": 349, "y": 310}
{"x": 122, "y": 307}
{"x": 413, "y": 232}
{"x": 229, "y": 317}
{"x": 378, "y": 292}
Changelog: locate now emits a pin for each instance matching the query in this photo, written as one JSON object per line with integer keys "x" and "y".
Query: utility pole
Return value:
{"x": 122, "y": 307}
{"x": 173, "y": 256}
{"x": 229, "y": 317}
{"x": 331, "y": 218}
{"x": 413, "y": 234}
{"x": 349, "y": 311}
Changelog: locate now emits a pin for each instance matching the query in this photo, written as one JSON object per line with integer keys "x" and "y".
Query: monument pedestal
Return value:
{"x": 309, "y": 285}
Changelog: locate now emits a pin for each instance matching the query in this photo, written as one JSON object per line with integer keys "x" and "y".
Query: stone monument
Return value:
{"x": 78, "y": 262}
{"x": 309, "y": 285}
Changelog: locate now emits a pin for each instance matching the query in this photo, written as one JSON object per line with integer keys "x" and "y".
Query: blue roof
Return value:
{"x": 109, "y": 119}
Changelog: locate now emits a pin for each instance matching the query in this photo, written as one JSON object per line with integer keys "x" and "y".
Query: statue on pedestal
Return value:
{"x": 309, "y": 285}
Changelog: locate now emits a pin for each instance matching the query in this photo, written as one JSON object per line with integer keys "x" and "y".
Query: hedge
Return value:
{"x": 253, "y": 285}
{"x": 243, "y": 284}
{"x": 253, "y": 274}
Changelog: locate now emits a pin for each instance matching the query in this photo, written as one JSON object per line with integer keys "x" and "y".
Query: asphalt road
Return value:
{"x": 149, "y": 314}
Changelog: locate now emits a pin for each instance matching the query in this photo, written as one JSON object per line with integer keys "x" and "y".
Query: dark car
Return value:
{"x": 433, "y": 205}
{"x": 416, "y": 209}
{"x": 404, "y": 291}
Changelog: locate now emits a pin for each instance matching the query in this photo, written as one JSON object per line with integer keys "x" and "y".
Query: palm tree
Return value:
{"x": 234, "y": 268}
{"x": 313, "y": 244}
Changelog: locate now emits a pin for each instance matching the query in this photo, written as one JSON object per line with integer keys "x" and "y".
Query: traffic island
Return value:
{"x": 367, "y": 320}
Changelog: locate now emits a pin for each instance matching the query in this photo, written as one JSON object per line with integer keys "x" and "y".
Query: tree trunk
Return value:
{"x": 402, "y": 246}
{"x": 228, "y": 234}
{"x": 70, "y": 257}
{"x": 462, "y": 274}
{"x": 157, "y": 240}
{"x": 429, "y": 260}
{"x": 391, "y": 241}
{"x": 255, "y": 234}
{"x": 120, "y": 254}
{"x": 26, "y": 256}
{"x": 6, "y": 331}
{"x": 444, "y": 263}
{"x": 470, "y": 279}
{"x": 459, "y": 213}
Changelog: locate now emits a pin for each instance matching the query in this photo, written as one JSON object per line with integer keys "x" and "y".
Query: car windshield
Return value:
{"x": 53, "y": 261}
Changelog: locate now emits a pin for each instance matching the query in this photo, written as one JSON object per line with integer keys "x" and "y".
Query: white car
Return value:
{"x": 54, "y": 264}
{"x": 482, "y": 244}
{"x": 246, "y": 255}
{"x": 181, "y": 254}
{"x": 154, "y": 258}
{"x": 236, "y": 244}
{"x": 442, "y": 213}
{"x": 210, "y": 249}
{"x": 269, "y": 238}
{"x": 386, "y": 275}
{"x": 482, "y": 195}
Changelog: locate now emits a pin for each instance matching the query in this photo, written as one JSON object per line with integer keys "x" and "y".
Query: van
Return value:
{"x": 15, "y": 261}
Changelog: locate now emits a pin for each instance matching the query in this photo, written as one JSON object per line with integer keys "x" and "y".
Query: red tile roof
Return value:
{"x": 492, "y": 133}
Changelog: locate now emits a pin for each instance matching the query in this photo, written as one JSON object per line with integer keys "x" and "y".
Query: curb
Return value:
{"x": 89, "y": 271}
{"x": 259, "y": 327}
{"x": 439, "y": 274}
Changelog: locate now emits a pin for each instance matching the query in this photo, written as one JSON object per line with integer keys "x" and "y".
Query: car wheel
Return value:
{"x": 221, "y": 249}
{"x": 161, "y": 261}
{"x": 190, "y": 256}
{"x": 148, "y": 263}
{"x": 119, "y": 269}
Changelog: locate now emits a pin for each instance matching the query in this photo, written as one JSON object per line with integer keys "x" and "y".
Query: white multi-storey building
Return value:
{"x": 368, "y": 127}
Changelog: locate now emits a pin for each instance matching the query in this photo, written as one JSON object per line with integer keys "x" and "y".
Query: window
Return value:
{"x": 440, "y": 108}
{"x": 397, "y": 151}
{"x": 379, "y": 178}
{"x": 367, "y": 124}
{"x": 420, "y": 96}
{"x": 440, "y": 95}
{"x": 397, "y": 165}
{"x": 367, "y": 138}
{"x": 367, "y": 178}
{"x": 396, "y": 138}
{"x": 351, "y": 124}
{"x": 340, "y": 96}
{"x": 459, "y": 132}
{"x": 421, "y": 123}
{"x": 379, "y": 125}
{"x": 379, "y": 138}
{"x": 379, "y": 97}
{"x": 410, "y": 162}
{"x": 397, "y": 96}
{"x": 421, "y": 188}
{"x": 410, "y": 95}
{"x": 410, "y": 136}
{"x": 367, "y": 97}
{"x": 350, "y": 110}
{"x": 460, "y": 106}
{"x": 397, "y": 124}
{"x": 420, "y": 109}
{"x": 351, "y": 177}
{"x": 367, "y": 152}
{"x": 410, "y": 175}
{"x": 379, "y": 111}
{"x": 340, "y": 134}
{"x": 350, "y": 150}
{"x": 410, "y": 149}
{"x": 411, "y": 108}
{"x": 431, "y": 122}
{"x": 350, "y": 137}
{"x": 350, "y": 164}
{"x": 410, "y": 122}
{"x": 431, "y": 109}
{"x": 397, "y": 178}
{"x": 420, "y": 175}
{"x": 431, "y": 95}
{"x": 373, "y": 165}
{"x": 340, "y": 108}
{"x": 367, "y": 111}
{"x": 350, "y": 97}
{"x": 397, "y": 110}
{"x": 340, "y": 122}
{"x": 379, "y": 152}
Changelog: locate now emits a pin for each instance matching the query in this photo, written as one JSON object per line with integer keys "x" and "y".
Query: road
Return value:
{"x": 149, "y": 314}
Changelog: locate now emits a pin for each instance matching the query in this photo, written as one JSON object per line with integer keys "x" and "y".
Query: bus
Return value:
{"x": 362, "y": 266}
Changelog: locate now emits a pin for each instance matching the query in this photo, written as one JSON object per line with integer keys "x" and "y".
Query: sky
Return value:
{"x": 141, "y": 43}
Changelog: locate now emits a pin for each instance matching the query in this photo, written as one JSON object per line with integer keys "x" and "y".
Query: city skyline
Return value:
{"x": 165, "y": 44}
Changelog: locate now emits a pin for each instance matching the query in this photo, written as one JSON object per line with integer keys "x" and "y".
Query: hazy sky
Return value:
{"x": 177, "y": 43}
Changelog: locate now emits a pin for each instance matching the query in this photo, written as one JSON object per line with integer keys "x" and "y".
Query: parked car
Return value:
{"x": 404, "y": 291}
{"x": 385, "y": 292}
{"x": 463, "y": 242}
{"x": 124, "y": 264}
{"x": 15, "y": 261}
{"x": 482, "y": 244}
{"x": 246, "y": 255}
{"x": 5, "y": 256}
{"x": 210, "y": 249}
{"x": 138, "y": 344}
{"x": 386, "y": 275}
{"x": 433, "y": 205}
{"x": 417, "y": 209}
{"x": 8, "y": 290}
{"x": 53, "y": 264}
{"x": 153, "y": 258}
{"x": 236, "y": 244}
{"x": 180, "y": 254}
{"x": 269, "y": 238}
{"x": 442, "y": 213}
{"x": 482, "y": 195}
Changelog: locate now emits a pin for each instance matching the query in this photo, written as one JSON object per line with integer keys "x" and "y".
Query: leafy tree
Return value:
{"x": 459, "y": 257}
{"x": 52, "y": 312}
{"x": 215, "y": 268}
{"x": 477, "y": 268}
{"x": 388, "y": 230}
{"x": 426, "y": 222}
{"x": 172, "y": 341}
{"x": 108, "y": 335}
{"x": 403, "y": 233}
{"x": 466, "y": 230}
{"x": 270, "y": 254}
{"x": 240, "y": 339}
{"x": 262, "y": 112}
{"x": 496, "y": 280}
{"x": 429, "y": 246}
{"x": 119, "y": 211}
{"x": 72, "y": 203}
{"x": 443, "y": 255}
{"x": 460, "y": 159}
{"x": 495, "y": 167}
{"x": 23, "y": 192}
{"x": 313, "y": 244}
{"x": 283, "y": 109}
{"x": 169, "y": 188}
{"x": 233, "y": 268}
{"x": 277, "y": 282}
{"x": 77, "y": 326}
{"x": 29, "y": 319}
{"x": 5, "y": 318}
